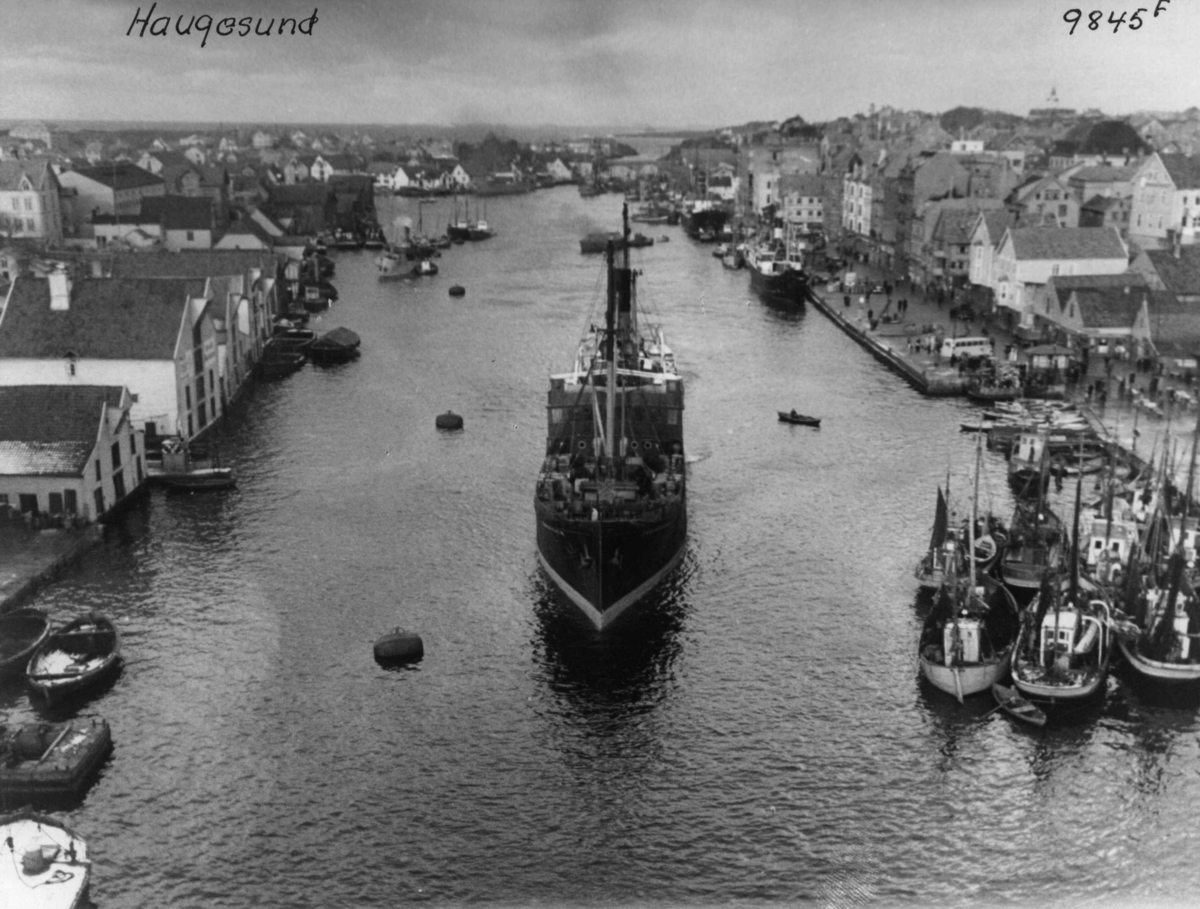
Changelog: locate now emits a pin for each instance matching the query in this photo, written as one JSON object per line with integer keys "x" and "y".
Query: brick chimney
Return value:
{"x": 60, "y": 288}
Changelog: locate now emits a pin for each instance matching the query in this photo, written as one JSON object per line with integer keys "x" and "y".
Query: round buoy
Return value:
{"x": 398, "y": 646}
{"x": 448, "y": 420}
{"x": 457, "y": 290}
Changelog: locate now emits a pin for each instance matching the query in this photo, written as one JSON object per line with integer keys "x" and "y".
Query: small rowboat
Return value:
{"x": 52, "y": 759}
{"x": 79, "y": 655}
{"x": 42, "y": 863}
{"x": 797, "y": 419}
{"x": 1016, "y": 706}
{"x": 21, "y": 633}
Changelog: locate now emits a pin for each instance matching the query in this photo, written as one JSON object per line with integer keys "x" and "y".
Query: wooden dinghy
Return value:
{"x": 1016, "y": 706}
{"x": 52, "y": 758}
{"x": 797, "y": 419}
{"x": 42, "y": 863}
{"x": 78, "y": 656}
{"x": 21, "y": 633}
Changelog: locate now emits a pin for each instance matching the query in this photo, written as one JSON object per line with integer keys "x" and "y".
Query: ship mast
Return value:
{"x": 610, "y": 354}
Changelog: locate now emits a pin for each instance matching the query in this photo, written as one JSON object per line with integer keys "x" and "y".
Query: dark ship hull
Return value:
{"x": 606, "y": 566}
{"x": 789, "y": 286}
{"x": 711, "y": 221}
{"x": 610, "y": 499}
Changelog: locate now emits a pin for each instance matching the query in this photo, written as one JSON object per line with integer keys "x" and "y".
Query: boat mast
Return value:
{"x": 1167, "y": 622}
{"x": 610, "y": 353}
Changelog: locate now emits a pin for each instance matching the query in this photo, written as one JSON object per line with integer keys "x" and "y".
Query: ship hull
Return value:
{"x": 605, "y": 567}
{"x": 786, "y": 287}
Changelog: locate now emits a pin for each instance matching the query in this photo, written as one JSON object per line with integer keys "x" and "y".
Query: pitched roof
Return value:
{"x": 1103, "y": 203}
{"x": 108, "y": 319}
{"x": 1108, "y": 307}
{"x": 192, "y": 263}
{"x": 120, "y": 175}
{"x": 1182, "y": 275}
{"x": 1184, "y": 170}
{"x": 1065, "y": 285}
{"x": 51, "y": 430}
{"x": 36, "y": 169}
{"x": 1102, "y": 173}
{"x": 179, "y": 212}
{"x": 1067, "y": 243}
{"x": 998, "y": 220}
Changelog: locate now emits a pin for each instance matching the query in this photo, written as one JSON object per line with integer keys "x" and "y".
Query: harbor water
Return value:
{"x": 757, "y": 734}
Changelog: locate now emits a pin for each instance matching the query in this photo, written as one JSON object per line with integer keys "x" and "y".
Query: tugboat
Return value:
{"x": 610, "y": 502}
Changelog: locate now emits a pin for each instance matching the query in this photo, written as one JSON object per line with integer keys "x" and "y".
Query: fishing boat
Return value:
{"x": 52, "y": 759}
{"x": 22, "y": 631}
{"x": 479, "y": 229}
{"x": 280, "y": 359}
{"x": 967, "y": 640}
{"x": 181, "y": 471}
{"x": 798, "y": 419}
{"x": 42, "y": 863}
{"x": 968, "y": 637}
{"x": 610, "y": 499}
{"x": 79, "y": 656}
{"x": 1065, "y": 644}
{"x": 1027, "y": 465}
{"x": 1034, "y": 545}
{"x": 1160, "y": 632}
{"x": 938, "y": 564}
{"x": 460, "y": 227}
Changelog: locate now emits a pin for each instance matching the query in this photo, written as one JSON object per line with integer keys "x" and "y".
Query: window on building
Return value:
{"x": 98, "y": 497}
{"x": 27, "y": 502}
{"x": 119, "y": 485}
{"x": 56, "y": 503}
{"x": 97, "y": 470}
{"x": 116, "y": 455}
{"x": 70, "y": 501}
{"x": 191, "y": 235}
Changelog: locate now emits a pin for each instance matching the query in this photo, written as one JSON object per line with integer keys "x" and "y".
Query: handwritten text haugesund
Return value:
{"x": 160, "y": 26}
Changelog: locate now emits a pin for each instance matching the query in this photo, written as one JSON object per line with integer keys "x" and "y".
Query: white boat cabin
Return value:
{"x": 1068, "y": 635}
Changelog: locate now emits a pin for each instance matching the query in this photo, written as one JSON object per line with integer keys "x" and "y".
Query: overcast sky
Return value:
{"x": 663, "y": 63}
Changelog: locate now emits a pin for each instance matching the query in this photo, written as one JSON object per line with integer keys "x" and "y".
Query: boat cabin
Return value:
{"x": 1067, "y": 636}
{"x": 962, "y": 640}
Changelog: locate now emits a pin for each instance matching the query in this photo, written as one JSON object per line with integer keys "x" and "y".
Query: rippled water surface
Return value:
{"x": 758, "y": 734}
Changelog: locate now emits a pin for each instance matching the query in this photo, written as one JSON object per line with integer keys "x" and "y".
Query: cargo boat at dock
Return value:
{"x": 610, "y": 501}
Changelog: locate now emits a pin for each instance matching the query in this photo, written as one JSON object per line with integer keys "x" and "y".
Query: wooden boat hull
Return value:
{"x": 798, "y": 419}
{"x": 40, "y": 856}
{"x": 200, "y": 480}
{"x": 1058, "y": 695}
{"x": 963, "y": 681}
{"x": 74, "y": 659}
{"x": 62, "y": 759}
{"x": 1158, "y": 671}
{"x": 21, "y": 633}
{"x": 1016, "y": 706}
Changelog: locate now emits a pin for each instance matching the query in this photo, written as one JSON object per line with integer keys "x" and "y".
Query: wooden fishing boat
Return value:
{"x": 798, "y": 419}
{"x": 21, "y": 633}
{"x": 968, "y": 638}
{"x": 1016, "y": 706}
{"x": 180, "y": 471}
{"x": 80, "y": 655}
{"x": 279, "y": 360}
{"x": 42, "y": 863}
{"x": 52, "y": 759}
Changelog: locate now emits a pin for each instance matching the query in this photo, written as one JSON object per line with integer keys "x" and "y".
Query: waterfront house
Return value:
{"x": 1028, "y": 257}
{"x": 801, "y": 200}
{"x": 243, "y": 287}
{"x": 245, "y": 233}
{"x": 1090, "y": 308}
{"x": 145, "y": 334}
{"x": 29, "y": 200}
{"x": 1166, "y": 198}
{"x": 986, "y": 234}
{"x": 116, "y": 188}
{"x": 187, "y": 223}
{"x": 68, "y": 451}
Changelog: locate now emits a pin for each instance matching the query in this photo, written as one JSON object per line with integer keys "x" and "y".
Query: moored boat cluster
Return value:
{"x": 1036, "y": 609}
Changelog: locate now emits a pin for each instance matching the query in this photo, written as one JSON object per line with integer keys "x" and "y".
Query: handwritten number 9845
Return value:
{"x": 1095, "y": 18}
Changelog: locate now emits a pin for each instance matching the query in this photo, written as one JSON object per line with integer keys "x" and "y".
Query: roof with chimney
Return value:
{"x": 51, "y": 430}
{"x": 1108, "y": 307}
{"x": 107, "y": 318}
{"x": 1178, "y": 269}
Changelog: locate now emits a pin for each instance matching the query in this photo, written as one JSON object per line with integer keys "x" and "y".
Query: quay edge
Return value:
{"x": 931, "y": 386}
{"x": 29, "y": 571}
